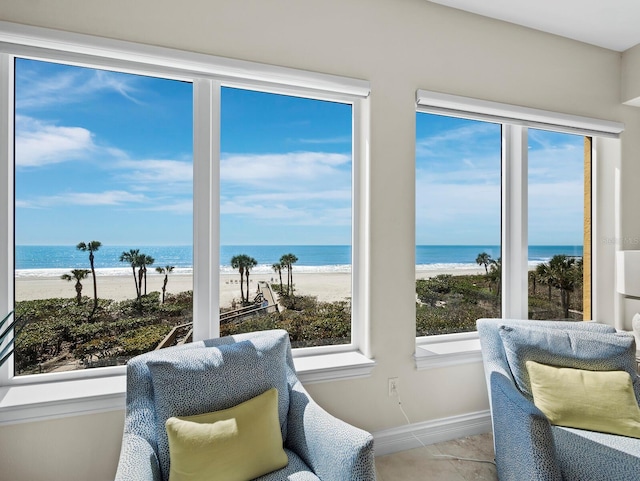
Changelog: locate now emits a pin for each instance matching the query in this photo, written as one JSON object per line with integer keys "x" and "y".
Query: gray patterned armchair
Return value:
{"x": 527, "y": 446}
{"x": 219, "y": 373}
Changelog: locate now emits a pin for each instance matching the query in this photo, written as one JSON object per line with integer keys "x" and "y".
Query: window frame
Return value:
{"x": 208, "y": 74}
{"x": 443, "y": 350}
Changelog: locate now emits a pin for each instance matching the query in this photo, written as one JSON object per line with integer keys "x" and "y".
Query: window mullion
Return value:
{"x": 514, "y": 222}
{"x": 206, "y": 200}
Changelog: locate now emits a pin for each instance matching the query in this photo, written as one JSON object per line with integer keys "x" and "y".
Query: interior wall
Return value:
{"x": 399, "y": 46}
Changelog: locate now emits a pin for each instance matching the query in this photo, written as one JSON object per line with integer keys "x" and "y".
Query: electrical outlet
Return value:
{"x": 393, "y": 386}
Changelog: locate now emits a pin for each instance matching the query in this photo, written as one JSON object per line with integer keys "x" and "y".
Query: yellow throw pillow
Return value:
{"x": 601, "y": 401}
{"x": 236, "y": 444}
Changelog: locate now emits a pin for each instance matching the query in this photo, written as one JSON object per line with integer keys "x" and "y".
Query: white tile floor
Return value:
{"x": 424, "y": 464}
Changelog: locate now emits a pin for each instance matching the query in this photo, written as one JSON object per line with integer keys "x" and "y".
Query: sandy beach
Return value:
{"x": 327, "y": 287}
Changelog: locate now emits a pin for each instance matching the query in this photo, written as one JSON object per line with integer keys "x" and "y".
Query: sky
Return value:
{"x": 108, "y": 156}
{"x": 458, "y": 184}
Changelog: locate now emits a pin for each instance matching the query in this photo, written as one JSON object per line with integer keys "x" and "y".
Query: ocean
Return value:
{"x": 56, "y": 260}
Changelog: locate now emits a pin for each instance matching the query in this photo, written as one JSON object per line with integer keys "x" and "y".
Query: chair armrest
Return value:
{"x": 522, "y": 435}
{"x": 138, "y": 460}
{"x": 333, "y": 449}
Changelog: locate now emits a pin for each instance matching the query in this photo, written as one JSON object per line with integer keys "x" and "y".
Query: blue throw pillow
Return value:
{"x": 578, "y": 349}
{"x": 196, "y": 381}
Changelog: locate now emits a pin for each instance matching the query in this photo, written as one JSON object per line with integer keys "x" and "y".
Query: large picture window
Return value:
{"x": 158, "y": 203}
{"x": 541, "y": 191}
{"x": 103, "y": 215}
{"x": 286, "y": 176}
{"x": 458, "y": 275}
{"x": 556, "y": 188}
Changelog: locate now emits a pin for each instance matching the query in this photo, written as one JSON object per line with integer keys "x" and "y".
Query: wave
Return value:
{"x": 126, "y": 271}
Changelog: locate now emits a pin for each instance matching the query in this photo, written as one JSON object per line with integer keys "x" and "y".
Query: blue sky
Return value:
{"x": 458, "y": 184}
{"x": 108, "y": 156}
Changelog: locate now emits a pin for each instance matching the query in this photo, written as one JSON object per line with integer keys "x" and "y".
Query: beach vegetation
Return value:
{"x": 166, "y": 270}
{"x": 78, "y": 275}
{"x": 311, "y": 323}
{"x": 59, "y": 334}
{"x": 448, "y": 304}
{"x": 91, "y": 247}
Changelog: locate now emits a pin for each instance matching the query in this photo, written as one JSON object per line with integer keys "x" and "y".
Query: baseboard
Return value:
{"x": 430, "y": 432}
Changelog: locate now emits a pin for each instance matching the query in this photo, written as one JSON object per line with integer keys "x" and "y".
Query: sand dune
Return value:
{"x": 326, "y": 286}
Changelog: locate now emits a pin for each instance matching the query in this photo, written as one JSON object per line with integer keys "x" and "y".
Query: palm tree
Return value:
{"x": 533, "y": 279}
{"x": 564, "y": 276}
{"x": 277, "y": 267}
{"x": 132, "y": 257}
{"x": 495, "y": 273}
{"x": 544, "y": 276}
{"x": 238, "y": 262}
{"x": 287, "y": 261}
{"x": 166, "y": 270}
{"x": 145, "y": 261}
{"x": 78, "y": 275}
{"x": 91, "y": 247}
{"x": 250, "y": 263}
{"x": 484, "y": 259}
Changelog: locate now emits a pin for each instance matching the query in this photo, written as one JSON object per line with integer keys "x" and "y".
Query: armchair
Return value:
{"x": 527, "y": 446}
{"x": 219, "y": 373}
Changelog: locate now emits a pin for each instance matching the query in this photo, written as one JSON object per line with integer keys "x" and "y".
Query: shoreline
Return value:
{"x": 327, "y": 286}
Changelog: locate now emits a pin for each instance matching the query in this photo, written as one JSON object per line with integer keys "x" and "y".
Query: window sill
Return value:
{"x": 447, "y": 350}
{"x": 51, "y": 400}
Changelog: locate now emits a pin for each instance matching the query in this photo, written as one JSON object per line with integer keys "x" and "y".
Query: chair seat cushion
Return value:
{"x": 594, "y": 456}
{"x": 196, "y": 381}
{"x": 296, "y": 470}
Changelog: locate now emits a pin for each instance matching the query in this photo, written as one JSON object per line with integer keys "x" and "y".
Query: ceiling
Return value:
{"x": 612, "y": 24}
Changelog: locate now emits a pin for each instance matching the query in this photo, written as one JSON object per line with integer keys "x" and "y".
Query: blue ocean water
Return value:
{"x": 54, "y": 260}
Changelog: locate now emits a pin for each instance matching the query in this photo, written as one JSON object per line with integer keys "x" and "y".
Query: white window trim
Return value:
{"x": 47, "y": 396}
{"x": 73, "y": 397}
{"x": 462, "y": 348}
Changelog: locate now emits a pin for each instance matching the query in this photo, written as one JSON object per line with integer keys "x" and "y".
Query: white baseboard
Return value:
{"x": 430, "y": 432}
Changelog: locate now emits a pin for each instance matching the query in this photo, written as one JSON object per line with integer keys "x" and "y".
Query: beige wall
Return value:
{"x": 399, "y": 46}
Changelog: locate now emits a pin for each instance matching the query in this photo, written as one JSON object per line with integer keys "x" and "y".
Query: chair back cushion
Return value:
{"x": 578, "y": 349}
{"x": 187, "y": 382}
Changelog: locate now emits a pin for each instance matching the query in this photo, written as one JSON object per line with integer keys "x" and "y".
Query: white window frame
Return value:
{"x": 461, "y": 348}
{"x": 43, "y": 396}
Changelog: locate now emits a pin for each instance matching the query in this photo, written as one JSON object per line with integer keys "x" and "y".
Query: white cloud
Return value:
{"x": 290, "y": 169}
{"x": 111, "y": 197}
{"x": 36, "y": 90}
{"x": 38, "y": 143}
{"x": 150, "y": 171}
{"x": 329, "y": 140}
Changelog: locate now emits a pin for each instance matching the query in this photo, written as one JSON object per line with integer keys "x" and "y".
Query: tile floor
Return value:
{"x": 424, "y": 465}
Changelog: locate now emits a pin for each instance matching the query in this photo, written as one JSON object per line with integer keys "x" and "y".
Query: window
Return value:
{"x": 103, "y": 215}
{"x": 161, "y": 185}
{"x": 545, "y": 205}
{"x": 558, "y": 223}
{"x": 286, "y": 216}
{"x": 457, "y": 223}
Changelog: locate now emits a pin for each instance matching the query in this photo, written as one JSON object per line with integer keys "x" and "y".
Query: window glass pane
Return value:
{"x": 457, "y": 223}
{"x": 103, "y": 184}
{"x": 556, "y": 225}
{"x": 286, "y": 216}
